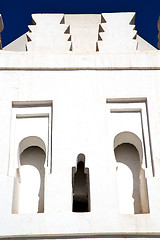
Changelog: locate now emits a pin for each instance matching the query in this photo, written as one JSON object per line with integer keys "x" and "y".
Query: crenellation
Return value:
{"x": 49, "y": 34}
{"x": 81, "y": 33}
{"x": 117, "y": 31}
{"x": 84, "y": 30}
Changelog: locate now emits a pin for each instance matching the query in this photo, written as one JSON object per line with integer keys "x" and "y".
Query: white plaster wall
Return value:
{"x": 81, "y": 124}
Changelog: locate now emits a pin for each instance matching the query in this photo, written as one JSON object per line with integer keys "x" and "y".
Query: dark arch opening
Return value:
{"x": 80, "y": 186}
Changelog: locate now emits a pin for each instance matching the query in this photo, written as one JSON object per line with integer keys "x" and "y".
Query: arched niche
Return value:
{"x": 80, "y": 186}
{"x": 129, "y": 137}
{"x": 28, "y": 196}
{"x": 132, "y": 185}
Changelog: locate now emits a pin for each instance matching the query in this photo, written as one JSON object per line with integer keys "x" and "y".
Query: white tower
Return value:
{"x": 80, "y": 130}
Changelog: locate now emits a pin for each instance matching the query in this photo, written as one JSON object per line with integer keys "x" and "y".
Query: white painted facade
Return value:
{"x": 80, "y": 84}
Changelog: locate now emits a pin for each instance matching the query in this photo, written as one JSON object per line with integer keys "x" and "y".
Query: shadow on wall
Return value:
{"x": 28, "y": 193}
{"x": 132, "y": 185}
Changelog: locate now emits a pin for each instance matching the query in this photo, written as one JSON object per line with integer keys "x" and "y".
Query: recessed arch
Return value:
{"x": 30, "y": 177}
{"x": 31, "y": 141}
{"x": 129, "y": 137}
{"x": 132, "y": 185}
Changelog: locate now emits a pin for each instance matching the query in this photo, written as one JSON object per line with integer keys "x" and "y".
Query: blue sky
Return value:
{"x": 16, "y": 14}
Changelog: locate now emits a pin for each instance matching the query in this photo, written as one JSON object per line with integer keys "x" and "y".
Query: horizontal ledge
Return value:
{"x": 75, "y": 68}
{"x": 127, "y": 100}
{"x": 22, "y": 104}
{"x": 125, "y": 110}
{"x": 149, "y": 60}
{"x": 118, "y": 235}
{"x": 38, "y": 115}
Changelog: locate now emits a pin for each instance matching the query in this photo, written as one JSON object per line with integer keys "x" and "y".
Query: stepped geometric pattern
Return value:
{"x": 60, "y": 33}
{"x": 117, "y": 32}
{"x": 84, "y": 31}
{"x": 49, "y": 34}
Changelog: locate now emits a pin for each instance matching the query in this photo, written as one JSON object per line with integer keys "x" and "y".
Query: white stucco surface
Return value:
{"x": 78, "y": 102}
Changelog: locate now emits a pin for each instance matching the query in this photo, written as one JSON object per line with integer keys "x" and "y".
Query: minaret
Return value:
{"x": 80, "y": 130}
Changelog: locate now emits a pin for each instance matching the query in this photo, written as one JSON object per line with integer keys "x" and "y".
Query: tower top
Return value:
{"x": 81, "y": 33}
